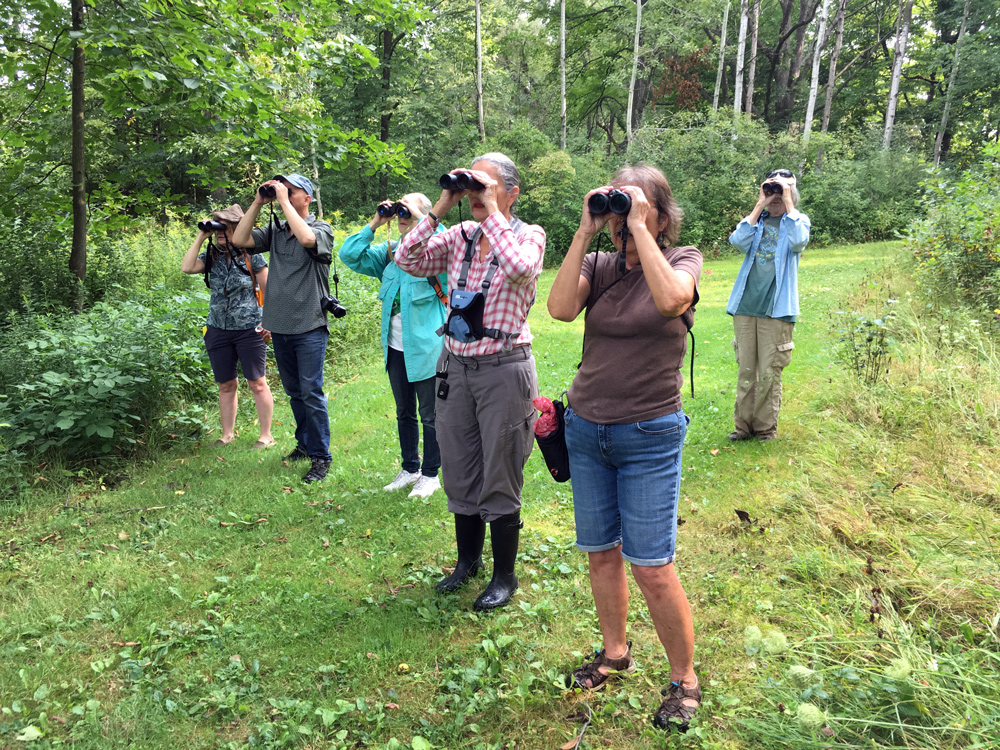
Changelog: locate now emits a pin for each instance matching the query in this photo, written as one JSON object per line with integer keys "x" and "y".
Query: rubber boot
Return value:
{"x": 470, "y": 532}
{"x": 504, "y": 533}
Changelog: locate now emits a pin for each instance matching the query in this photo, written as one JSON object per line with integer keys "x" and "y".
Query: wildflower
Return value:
{"x": 775, "y": 642}
{"x": 810, "y": 717}
{"x": 752, "y": 638}
{"x": 932, "y": 665}
{"x": 898, "y": 669}
{"x": 803, "y": 677}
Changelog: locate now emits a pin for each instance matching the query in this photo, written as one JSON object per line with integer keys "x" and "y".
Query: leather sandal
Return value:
{"x": 588, "y": 676}
{"x": 678, "y": 708}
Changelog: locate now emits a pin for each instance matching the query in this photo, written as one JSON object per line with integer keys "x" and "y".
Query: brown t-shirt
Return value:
{"x": 632, "y": 354}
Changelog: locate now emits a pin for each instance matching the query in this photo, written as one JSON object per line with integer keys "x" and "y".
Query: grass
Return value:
{"x": 212, "y": 600}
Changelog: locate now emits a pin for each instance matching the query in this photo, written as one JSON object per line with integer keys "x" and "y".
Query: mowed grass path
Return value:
{"x": 213, "y": 599}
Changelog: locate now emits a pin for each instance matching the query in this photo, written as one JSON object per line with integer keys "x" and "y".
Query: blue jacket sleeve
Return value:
{"x": 742, "y": 236}
{"x": 797, "y": 226}
{"x": 358, "y": 253}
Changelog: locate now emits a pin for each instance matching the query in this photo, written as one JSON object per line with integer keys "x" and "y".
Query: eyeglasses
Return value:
{"x": 787, "y": 173}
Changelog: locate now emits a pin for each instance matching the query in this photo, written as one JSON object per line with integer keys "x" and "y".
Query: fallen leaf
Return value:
{"x": 392, "y": 705}
{"x": 366, "y": 554}
{"x": 111, "y": 546}
{"x": 326, "y": 543}
{"x": 122, "y": 644}
{"x": 714, "y": 452}
{"x": 743, "y": 516}
{"x": 366, "y": 535}
{"x": 156, "y": 507}
{"x": 226, "y": 523}
{"x": 179, "y": 492}
{"x": 571, "y": 745}
{"x": 261, "y": 520}
{"x": 221, "y": 458}
{"x": 53, "y": 535}
{"x": 171, "y": 435}
{"x": 123, "y": 536}
{"x": 287, "y": 490}
{"x": 280, "y": 539}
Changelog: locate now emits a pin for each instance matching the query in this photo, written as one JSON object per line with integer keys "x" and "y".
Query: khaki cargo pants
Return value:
{"x": 763, "y": 349}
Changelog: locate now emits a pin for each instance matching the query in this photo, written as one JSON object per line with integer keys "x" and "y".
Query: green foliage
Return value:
{"x": 956, "y": 248}
{"x": 101, "y": 384}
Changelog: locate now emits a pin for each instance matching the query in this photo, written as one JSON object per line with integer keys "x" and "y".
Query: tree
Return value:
{"x": 943, "y": 128}
{"x": 479, "y": 71}
{"x": 752, "y": 73}
{"x": 814, "y": 83}
{"x": 902, "y": 32}
{"x": 562, "y": 74}
{"x": 635, "y": 69}
{"x": 722, "y": 56}
{"x": 740, "y": 48}
{"x": 831, "y": 78}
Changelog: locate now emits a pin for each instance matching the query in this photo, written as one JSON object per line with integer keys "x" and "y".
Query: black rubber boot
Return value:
{"x": 470, "y": 532}
{"x": 504, "y": 533}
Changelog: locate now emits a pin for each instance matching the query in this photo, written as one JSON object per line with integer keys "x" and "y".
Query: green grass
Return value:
{"x": 213, "y": 600}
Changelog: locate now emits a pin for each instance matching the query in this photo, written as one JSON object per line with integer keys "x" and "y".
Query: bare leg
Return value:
{"x": 610, "y": 589}
{"x": 264, "y": 402}
{"x": 671, "y": 613}
{"x": 227, "y": 409}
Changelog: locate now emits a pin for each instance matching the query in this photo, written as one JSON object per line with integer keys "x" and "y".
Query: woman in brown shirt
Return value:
{"x": 625, "y": 427}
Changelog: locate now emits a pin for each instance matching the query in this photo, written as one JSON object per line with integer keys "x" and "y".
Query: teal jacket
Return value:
{"x": 421, "y": 310}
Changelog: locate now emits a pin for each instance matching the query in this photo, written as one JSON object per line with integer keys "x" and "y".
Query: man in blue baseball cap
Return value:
{"x": 299, "y": 278}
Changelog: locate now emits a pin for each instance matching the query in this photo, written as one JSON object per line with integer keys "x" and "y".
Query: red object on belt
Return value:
{"x": 547, "y": 423}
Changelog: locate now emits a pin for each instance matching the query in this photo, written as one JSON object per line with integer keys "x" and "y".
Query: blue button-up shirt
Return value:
{"x": 793, "y": 236}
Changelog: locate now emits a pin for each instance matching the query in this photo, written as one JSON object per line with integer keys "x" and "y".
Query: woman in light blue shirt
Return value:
{"x": 764, "y": 302}
{"x": 412, "y": 311}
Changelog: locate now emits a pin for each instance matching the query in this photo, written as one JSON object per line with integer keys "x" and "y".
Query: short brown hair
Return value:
{"x": 654, "y": 184}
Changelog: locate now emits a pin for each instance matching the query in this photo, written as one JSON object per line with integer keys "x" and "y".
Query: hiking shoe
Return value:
{"x": 403, "y": 479}
{"x": 425, "y": 486}
{"x": 736, "y": 436}
{"x": 296, "y": 454}
{"x": 320, "y": 466}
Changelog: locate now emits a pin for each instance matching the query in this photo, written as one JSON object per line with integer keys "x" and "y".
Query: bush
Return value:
{"x": 957, "y": 246}
{"x": 98, "y": 384}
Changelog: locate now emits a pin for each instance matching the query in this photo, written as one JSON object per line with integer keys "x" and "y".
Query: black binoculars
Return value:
{"x": 267, "y": 191}
{"x": 772, "y": 188}
{"x": 459, "y": 182}
{"x": 396, "y": 209}
{"x": 615, "y": 201}
{"x": 211, "y": 226}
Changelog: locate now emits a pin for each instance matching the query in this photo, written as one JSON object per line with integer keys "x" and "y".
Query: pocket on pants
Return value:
{"x": 784, "y": 355}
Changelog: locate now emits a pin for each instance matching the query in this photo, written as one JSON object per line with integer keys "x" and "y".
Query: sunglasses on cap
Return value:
{"x": 787, "y": 173}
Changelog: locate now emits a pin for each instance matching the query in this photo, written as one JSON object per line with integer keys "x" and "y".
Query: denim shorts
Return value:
{"x": 626, "y": 485}
{"x": 226, "y": 348}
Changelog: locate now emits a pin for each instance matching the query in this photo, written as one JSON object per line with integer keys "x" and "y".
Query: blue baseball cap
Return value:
{"x": 297, "y": 180}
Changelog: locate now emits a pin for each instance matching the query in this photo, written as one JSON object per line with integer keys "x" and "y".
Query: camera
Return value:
{"x": 211, "y": 226}
{"x": 459, "y": 182}
{"x": 772, "y": 188}
{"x": 396, "y": 209}
{"x": 267, "y": 191}
{"x": 332, "y": 305}
{"x": 615, "y": 201}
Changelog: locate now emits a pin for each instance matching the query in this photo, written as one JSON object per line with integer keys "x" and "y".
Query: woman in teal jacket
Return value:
{"x": 412, "y": 312}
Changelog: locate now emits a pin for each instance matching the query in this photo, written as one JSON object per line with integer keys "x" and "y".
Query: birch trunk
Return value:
{"x": 635, "y": 70}
{"x": 562, "y": 70}
{"x": 897, "y": 70}
{"x": 78, "y": 251}
{"x": 740, "y": 48}
{"x": 951, "y": 87}
{"x": 814, "y": 84}
{"x": 752, "y": 73}
{"x": 479, "y": 71}
{"x": 722, "y": 57}
{"x": 834, "y": 59}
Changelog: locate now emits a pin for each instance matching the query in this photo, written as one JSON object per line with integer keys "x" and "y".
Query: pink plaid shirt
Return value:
{"x": 423, "y": 253}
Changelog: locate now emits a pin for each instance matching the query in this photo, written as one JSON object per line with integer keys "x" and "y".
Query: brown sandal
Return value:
{"x": 678, "y": 708}
{"x": 588, "y": 676}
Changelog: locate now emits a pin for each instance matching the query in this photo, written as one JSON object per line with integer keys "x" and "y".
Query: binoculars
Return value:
{"x": 615, "y": 201}
{"x": 396, "y": 209}
{"x": 267, "y": 191}
{"x": 211, "y": 226}
{"x": 772, "y": 188}
{"x": 459, "y": 182}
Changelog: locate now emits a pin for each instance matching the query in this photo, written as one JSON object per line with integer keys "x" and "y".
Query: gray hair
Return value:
{"x": 508, "y": 170}
{"x": 795, "y": 195}
{"x": 421, "y": 202}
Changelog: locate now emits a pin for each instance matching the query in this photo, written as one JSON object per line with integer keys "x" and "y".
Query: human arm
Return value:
{"x": 358, "y": 253}
{"x": 570, "y": 290}
{"x": 191, "y": 263}
{"x": 424, "y": 253}
{"x": 673, "y": 290}
{"x": 518, "y": 255}
{"x": 745, "y": 232}
{"x": 243, "y": 234}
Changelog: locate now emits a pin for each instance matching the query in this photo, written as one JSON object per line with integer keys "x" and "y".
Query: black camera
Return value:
{"x": 211, "y": 226}
{"x": 459, "y": 182}
{"x": 615, "y": 201}
{"x": 772, "y": 188}
{"x": 267, "y": 191}
{"x": 332, "y": 305}
{"x": 396, "y": 209}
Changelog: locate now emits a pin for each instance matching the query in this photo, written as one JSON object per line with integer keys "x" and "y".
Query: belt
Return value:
{"x": 517, "y": 354}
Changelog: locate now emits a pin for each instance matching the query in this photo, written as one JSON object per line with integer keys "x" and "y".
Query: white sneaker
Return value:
{"x": 403, "y": 479}
{"x": 425, "y": 486}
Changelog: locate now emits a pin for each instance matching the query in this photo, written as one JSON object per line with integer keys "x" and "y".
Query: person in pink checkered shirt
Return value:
{"x": 486, "y": 374}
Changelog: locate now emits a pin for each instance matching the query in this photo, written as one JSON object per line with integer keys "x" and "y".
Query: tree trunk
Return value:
{"x": 722, "y": 57}
{"x": 897, "y": 70}
{"x": 479, "y": 71}
{"x": 834, "y": 58}
{"x": 562, "y": 71}
{"x": 740, "y": 49}
{"x": 752, "y": 73}
{"x": 386, "y": 118}
{"x": 78, "y": 253}
{"x": 635, "y": 70}
{"x": 814, "y": 83}
{"x": 939, "y": 141}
